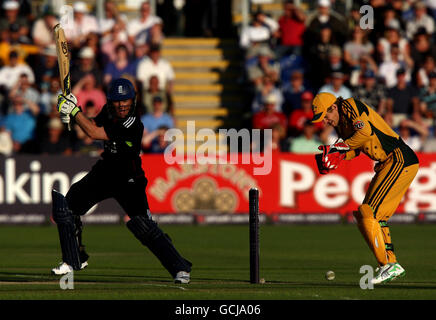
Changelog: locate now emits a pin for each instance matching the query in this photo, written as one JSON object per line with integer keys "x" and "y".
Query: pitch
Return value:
{"x": 293, "y": 262}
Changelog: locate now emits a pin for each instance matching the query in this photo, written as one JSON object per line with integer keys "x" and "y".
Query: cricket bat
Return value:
{"x": 63, "y": 60}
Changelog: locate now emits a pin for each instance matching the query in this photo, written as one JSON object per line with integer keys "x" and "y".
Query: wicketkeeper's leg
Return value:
{"x": 371, "y": 231}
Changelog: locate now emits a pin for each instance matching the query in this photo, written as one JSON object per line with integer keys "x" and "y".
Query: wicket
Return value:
{"x": 254, "y": 234}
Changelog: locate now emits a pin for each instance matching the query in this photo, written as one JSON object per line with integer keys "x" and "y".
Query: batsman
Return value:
{"x": 119, "y": 175}
{"x": 362, "y": 130}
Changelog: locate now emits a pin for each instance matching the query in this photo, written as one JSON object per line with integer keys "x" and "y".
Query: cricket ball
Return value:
{"x": 330, "y": 275}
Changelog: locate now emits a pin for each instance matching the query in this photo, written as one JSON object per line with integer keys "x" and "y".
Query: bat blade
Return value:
{"x": 63, "y": 58}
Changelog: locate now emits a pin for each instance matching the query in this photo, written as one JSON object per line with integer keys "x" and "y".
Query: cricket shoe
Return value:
{"x": 65, "y": 268}
{"x": 182, "y": 277}
{"x": 388, "y": 272}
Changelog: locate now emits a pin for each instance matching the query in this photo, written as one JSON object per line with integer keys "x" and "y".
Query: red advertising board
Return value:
{"x": 292, "y": 186}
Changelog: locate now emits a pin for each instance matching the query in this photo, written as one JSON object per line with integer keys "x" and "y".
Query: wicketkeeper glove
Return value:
{"x": 67, "y": 106}
{"x": 333, "y": 154}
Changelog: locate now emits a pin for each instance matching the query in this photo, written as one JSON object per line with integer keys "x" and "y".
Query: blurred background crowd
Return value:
{"x": 287, "y": 60}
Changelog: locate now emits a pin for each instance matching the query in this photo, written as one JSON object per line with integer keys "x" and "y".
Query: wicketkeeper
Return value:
{"x": 117, "y": 175}
{"x": 361, "y": 129}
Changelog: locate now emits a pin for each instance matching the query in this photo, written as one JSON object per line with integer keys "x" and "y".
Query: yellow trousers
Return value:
{"x": 386, "y": 190}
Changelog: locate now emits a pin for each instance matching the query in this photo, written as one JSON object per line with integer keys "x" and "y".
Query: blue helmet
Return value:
{"x": 119, "y": 90}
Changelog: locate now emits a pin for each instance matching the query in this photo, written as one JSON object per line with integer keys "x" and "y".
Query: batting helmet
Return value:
{"x": 119, "y": 90}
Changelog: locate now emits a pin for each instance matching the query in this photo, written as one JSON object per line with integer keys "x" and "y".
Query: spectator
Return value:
{"x": 18, "y": 36}
{"x": 326, "y": 16}
{"x": 86, "y": 65}
{"x": 10, "y": 73}
{"x": 292, "y": 92}
{"x": 391, "y": 18}
{"x": 430, "y": 144}
{"x": 357, "y": 47}
{"x": 298, "y": 117}
{"x": 258, "y": 34}
{"x": 393, "y": 38}
{"x": 155, "y": 36}
{"x": 117, "y": 36}
{"x": 421, "y": 48}
{"x": 427, "y": 97}
{"x": 353, "y": 18}
{"x": 388, "y": 69}
{"x": 366, "y": 63}
{"x": 55, "y": 142}
{"x": 414, "y": 141}
{"x": 85, "y": 90}
{"x": 267, "y": 88}
{"x": 141, "y": 26}
{"x": 336, "y": 86}
{"x": 50, "y": 95}
{"x": 402, "y": 99}
{"x": 423, "y": 73}
{"x": 120, "y": 65}
{"x": 111, "y": 18}
{"x": 420, "y": 20}
{"x": 291, "y": 30}
{"x": 318, "y": 51}
{"x": 11, "y": 15}
{"x": 268, "y": 117}
{"x": 307, "y": 142}
{"x": 42, "y": 29}
{"x": 371, "y": 92}
{"x": 23, "y": 88}
{"x": 264, "y": 65}
{"x": 20, "y": 122}
{"x": 155, "y": 65}
{"x": 6, "y": 143}
{"x": 154, "y": 91}
{"x": 335, "y": 63}
{"x": 46, "y": 68}
{"x": 83, "y": 23}
{"x": 153, "y": 121}
{"x": 156, "y": 140}
{"x": 278, "y": 142}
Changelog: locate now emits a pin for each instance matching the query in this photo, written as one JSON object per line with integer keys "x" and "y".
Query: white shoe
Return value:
{"x": 65, "y": 268}
{"x": 182, "y": 277}
{"x": 388, "y": 272}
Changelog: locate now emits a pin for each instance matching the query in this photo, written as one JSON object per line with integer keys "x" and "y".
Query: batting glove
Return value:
{"x": 67, "y": 105}
{"x": 65, "y": 118}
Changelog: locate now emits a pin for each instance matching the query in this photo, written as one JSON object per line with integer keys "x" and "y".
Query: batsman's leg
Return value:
{"x": 64, "y": 219}
{"x": 151, "y": 236}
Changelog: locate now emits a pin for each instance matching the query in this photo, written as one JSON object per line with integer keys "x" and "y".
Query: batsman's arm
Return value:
{"x": 90, "y": 128}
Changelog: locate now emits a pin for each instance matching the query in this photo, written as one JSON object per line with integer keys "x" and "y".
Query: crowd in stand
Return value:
{"x": 101, "y": 50}
{"x": 389, "y": 65}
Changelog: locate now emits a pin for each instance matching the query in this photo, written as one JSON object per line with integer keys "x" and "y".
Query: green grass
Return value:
{"x": 294, "y": 260}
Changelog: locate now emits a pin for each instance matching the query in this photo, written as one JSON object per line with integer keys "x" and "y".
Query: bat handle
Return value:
{"x": 69, "y": 126}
